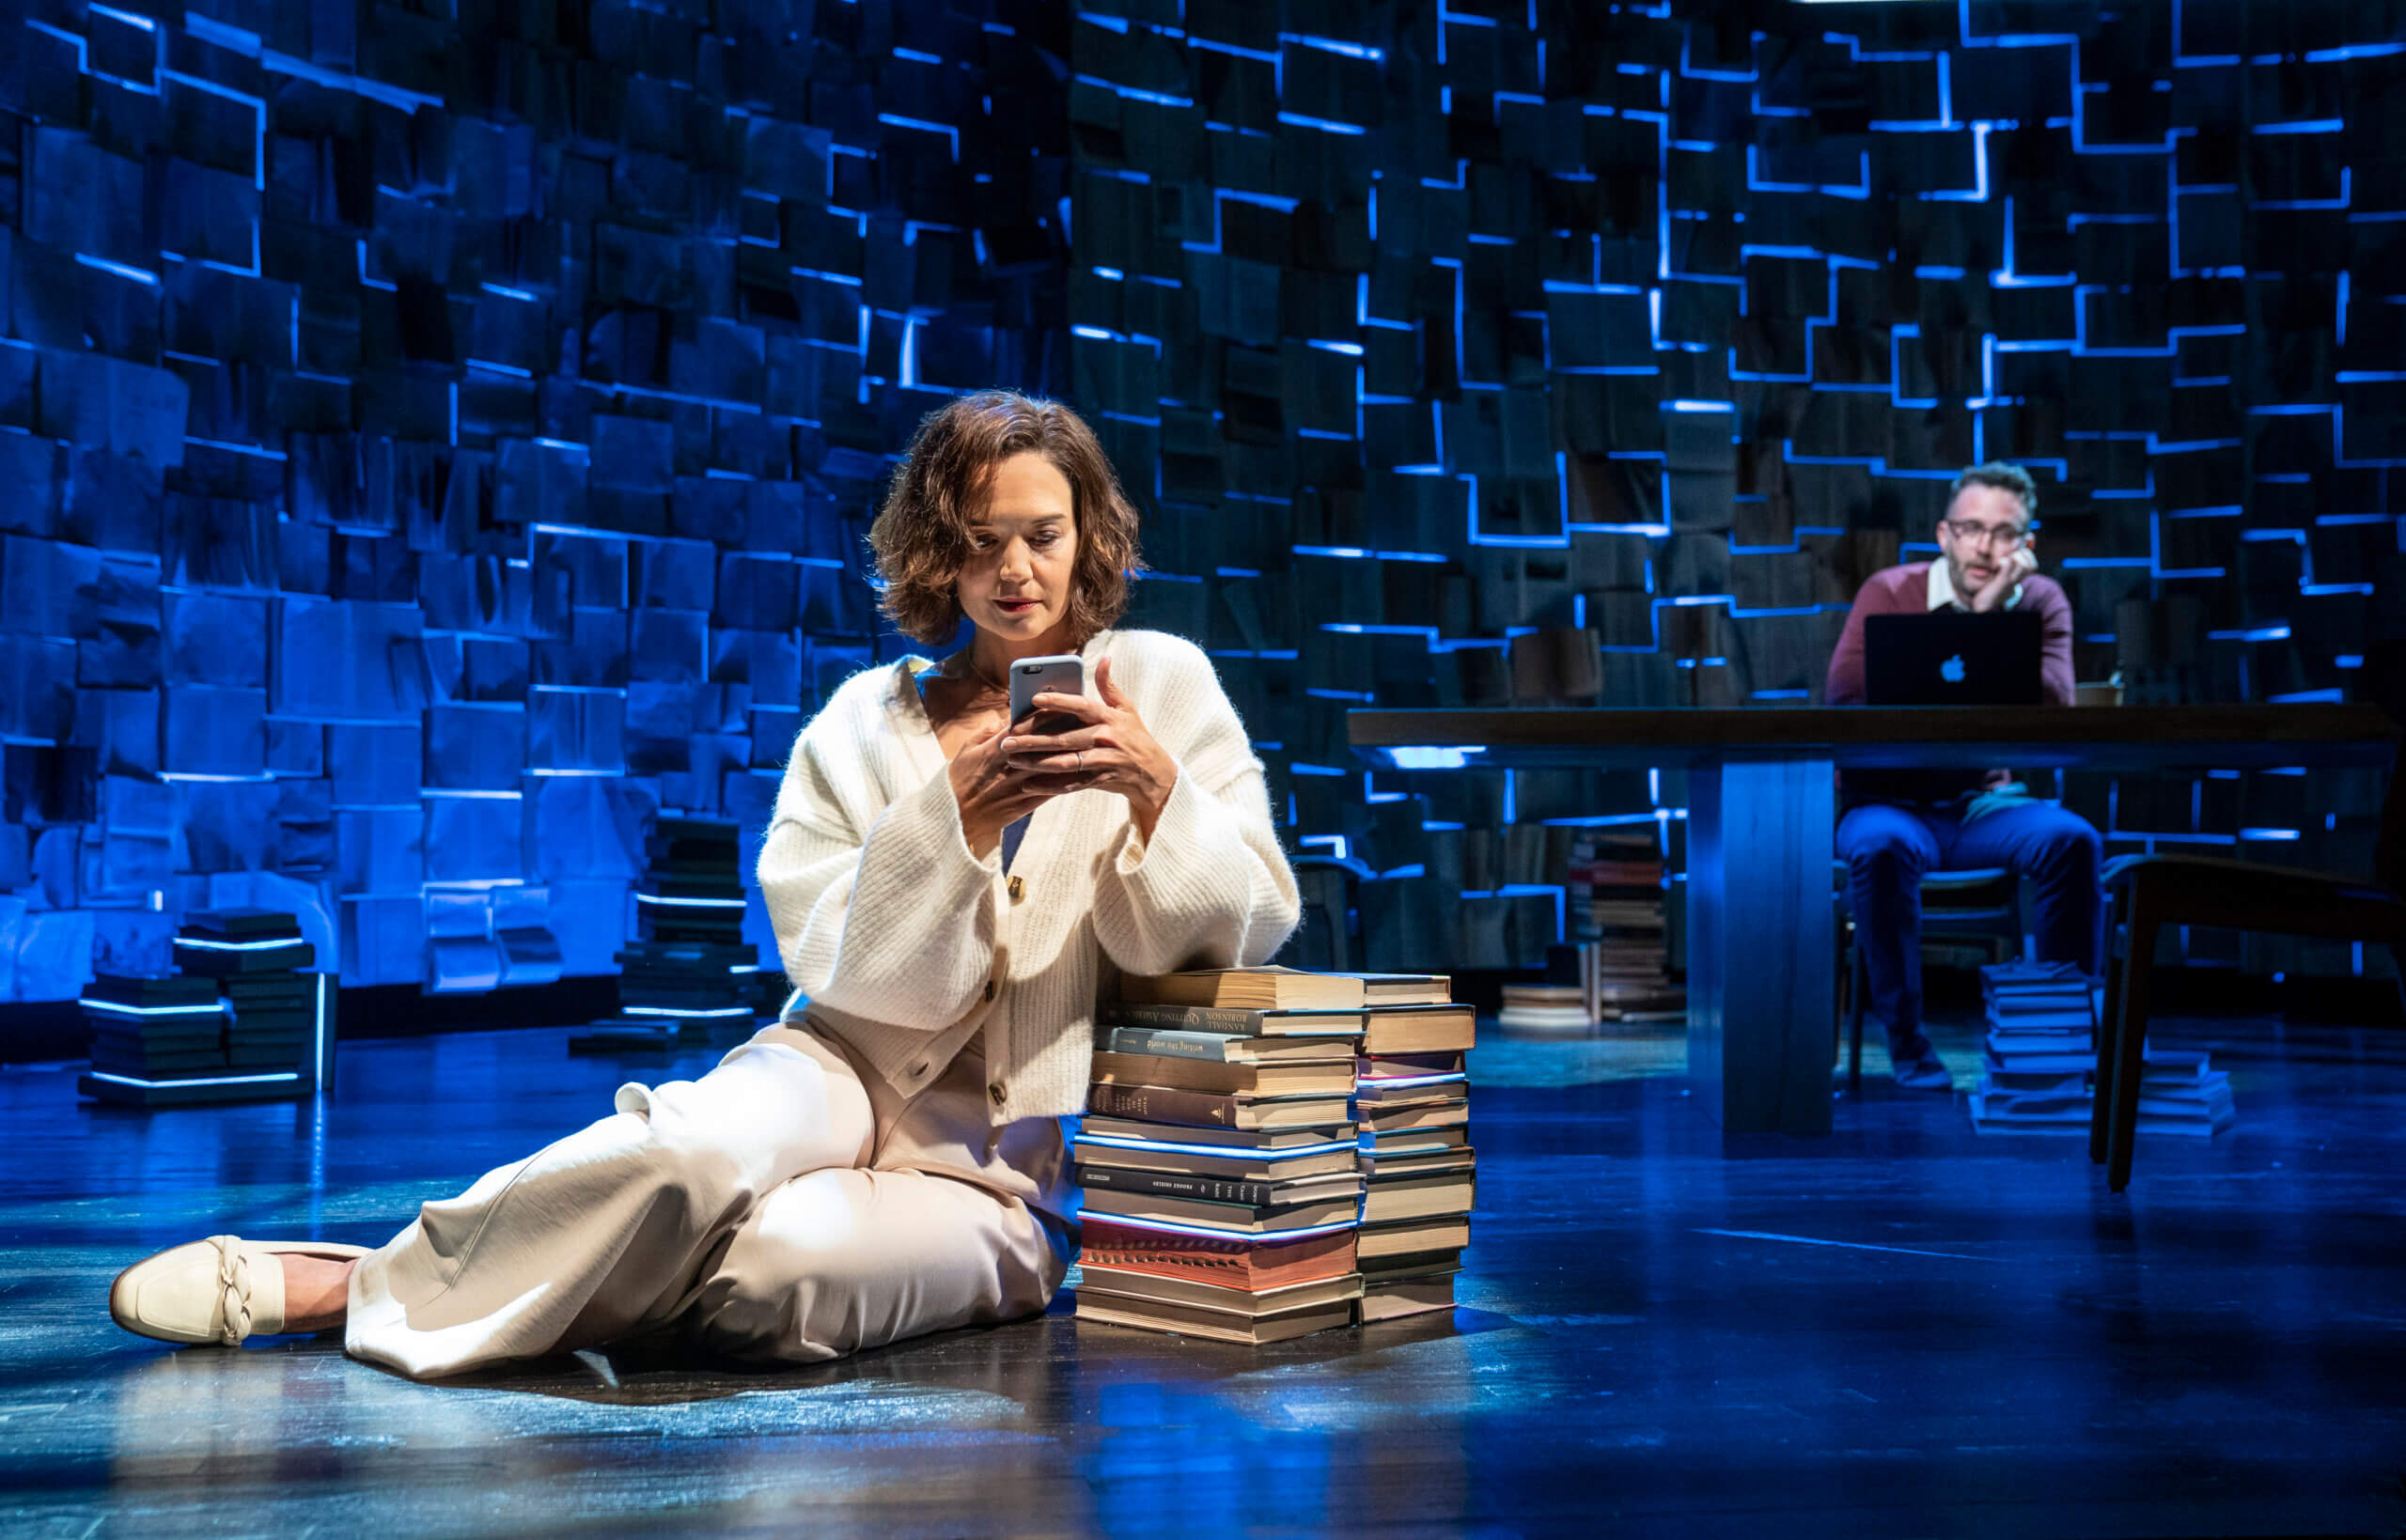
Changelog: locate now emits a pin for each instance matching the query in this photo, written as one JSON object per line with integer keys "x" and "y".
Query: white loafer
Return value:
{"x": 218, "y": 1290}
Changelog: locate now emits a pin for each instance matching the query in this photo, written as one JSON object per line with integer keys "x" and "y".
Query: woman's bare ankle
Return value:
{"x": 317, "y": 1292}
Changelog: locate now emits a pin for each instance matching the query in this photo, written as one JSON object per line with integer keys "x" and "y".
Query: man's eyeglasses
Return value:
{"x": 2002, "y": 536}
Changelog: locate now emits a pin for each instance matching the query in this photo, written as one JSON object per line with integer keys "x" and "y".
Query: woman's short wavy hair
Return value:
{"x": 920, "y": 540}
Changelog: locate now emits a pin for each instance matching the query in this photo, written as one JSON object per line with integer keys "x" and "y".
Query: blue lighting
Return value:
{"x": 1433, "y": 756}
{"x": 278, "y": 1078}
{"x": 215, "y": 1007}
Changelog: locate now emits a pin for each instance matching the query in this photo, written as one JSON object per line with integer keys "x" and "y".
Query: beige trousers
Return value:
{"x": 789, "y": 1204}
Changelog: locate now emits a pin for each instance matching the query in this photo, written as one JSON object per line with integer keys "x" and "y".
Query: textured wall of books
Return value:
{"x": 434, "y": 440}
{"x": 1543, "y": 350}
{"x": 432, "y": 445}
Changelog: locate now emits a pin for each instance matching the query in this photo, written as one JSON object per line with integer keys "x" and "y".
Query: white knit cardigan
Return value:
{"x": 905, "y": 944}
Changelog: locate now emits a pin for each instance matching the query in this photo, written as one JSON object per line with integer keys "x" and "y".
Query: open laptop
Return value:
{"x": 1953, "y": 658}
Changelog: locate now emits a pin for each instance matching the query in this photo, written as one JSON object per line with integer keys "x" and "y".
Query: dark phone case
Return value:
{"x": 1053, "y": 678}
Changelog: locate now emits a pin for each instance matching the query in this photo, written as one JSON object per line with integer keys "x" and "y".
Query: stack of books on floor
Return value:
{"x": 1618, "y": 915}
{"x": 692, "y": 968}
{"x": 1411, "y": 1107}
{"x": 242, "y": 973}
{"x": 1546, "y": 1007}
{"x": 2180, "y": 1091}
{"x": 1223, "y": 1186}
{"x": 153, "y": 1029}
{"x": 2041, "y": 1047}
{"x": 258, "y": 956}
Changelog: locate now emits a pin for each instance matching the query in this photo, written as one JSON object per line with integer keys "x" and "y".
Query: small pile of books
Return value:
{"x": 1546, "y": 1007}
{"x": 1412, "y": 1105}
{"x": 1271, "y": 1153}
{"x": 241, "y": 1020}
{"x": 692, "y": 967}
{"x": 148, "y": 1029}
{"x": 2041, "y": 1046}
{"x": 256, "y": 956}
{"x": 1616, "y": 912}
{"x": 1223, "y": 1189}
{"x": 2182, "y": 1093}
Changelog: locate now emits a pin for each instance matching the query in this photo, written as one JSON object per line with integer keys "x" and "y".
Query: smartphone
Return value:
{"x": 1063, "y": 673}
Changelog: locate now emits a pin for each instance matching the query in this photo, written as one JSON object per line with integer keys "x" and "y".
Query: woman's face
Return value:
{"x": 1022, "y": 552}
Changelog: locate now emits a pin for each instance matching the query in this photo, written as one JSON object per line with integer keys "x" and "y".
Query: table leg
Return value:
{"x": 1760, "y": 1012}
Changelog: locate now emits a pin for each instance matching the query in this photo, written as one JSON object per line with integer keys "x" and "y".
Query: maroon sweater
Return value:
{"x": 1905, "y": 590}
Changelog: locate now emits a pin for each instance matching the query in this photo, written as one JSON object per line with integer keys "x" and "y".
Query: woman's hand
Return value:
{"x": 993, "y": 793}
{"x": 1109, "y": 749}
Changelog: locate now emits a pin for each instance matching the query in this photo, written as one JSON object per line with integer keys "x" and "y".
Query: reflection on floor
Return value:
{"x": 1902, "y": 1328}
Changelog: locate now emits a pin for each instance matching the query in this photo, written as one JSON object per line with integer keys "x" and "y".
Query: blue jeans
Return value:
{"x": 1888, "y": 846}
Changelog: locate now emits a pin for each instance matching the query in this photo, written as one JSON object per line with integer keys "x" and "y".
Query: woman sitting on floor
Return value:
{"x": 947, "y": 890}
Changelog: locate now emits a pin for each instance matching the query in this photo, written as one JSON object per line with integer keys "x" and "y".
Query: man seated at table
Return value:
{"x": 1898, "y": 824}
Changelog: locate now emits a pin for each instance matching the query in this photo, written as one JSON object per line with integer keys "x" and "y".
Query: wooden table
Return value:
{"x": 1761, "y": 815}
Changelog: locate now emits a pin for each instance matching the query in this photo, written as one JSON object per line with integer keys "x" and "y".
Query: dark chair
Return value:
{"x": 2147, "y": 893}
{"x": 1979, "y": 903}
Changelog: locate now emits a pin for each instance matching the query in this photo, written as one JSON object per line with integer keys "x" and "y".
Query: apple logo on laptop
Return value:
{"x": 1952, "y": 670}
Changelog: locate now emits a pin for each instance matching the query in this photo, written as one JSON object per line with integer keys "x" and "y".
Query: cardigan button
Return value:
{"x": 997, "y": 1092}
{"x": 990, "y": 989}
{"x": 1017, "y": 888}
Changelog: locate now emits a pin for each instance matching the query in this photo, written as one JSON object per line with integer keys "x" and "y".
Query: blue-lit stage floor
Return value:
{"x": 1902, "y": 1329}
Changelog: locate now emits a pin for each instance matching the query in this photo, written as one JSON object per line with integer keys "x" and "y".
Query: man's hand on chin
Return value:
{"x": 1994, "y": 593}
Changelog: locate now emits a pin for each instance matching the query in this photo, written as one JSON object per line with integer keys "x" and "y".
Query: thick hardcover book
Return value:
{"x": 1420, "y": 1029}
{"x": 1205, "y": 1109}
{"x": 1241, "y": 1262}
{"x": 1386, "y": 1065}
{"x": 1405, "y": 988}
{"x": 158, "y": 1034}
{"x": 1322, "y": 1078}
{"x": 1418, "y": 1196}
{"x": 156, "y": 1065}
{"x": 1406, "y": 1090}
{"x": 1251, "y": 988}
{"x": 1410, "y": 1264}
{"x": 1230, "y": 1166}
{"x": 1340, "y": 1026}
{"x": 241, "y": 924}
{"x": 1166, "y": 1185}
{"x": 1252, "y": 1195}
{"x": 1184, "y": 1291}
{"x": 273, "y": 984}
{"x": 1220, "y": 1047}
{"x": 1444, "y": 1232}
{"x": 151, "y": 989}
{"x": 203, "y": 1092}
{"x": 1414, "y": 1141}
{"x": 1401, "y": 1297}
{"x": 1225, "y": 1217}
{"x": 1453, "y": 1157}
{"x": 196, "y": 959}
{"x": 1219, "y": 1326}
{"x": 1255, "y": 1143}
{"x": 2039, "y": 1064}
{"x": 1418, "y": 1114}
